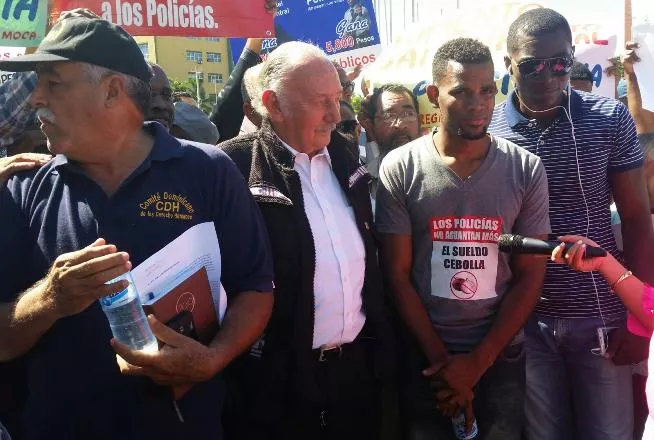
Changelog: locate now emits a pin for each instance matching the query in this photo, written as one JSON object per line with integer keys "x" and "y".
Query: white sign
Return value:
{"x": 464, "y": 257}
{"x": 6, "y": 53}
{"x": 644, "y": 69}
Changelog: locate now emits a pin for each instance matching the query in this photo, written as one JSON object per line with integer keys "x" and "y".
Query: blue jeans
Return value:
{"x": 571, "y": 392}
{"x": 498, "y": 402}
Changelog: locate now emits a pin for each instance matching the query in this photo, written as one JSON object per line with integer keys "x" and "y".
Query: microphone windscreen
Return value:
{"x": 508, "y": 242}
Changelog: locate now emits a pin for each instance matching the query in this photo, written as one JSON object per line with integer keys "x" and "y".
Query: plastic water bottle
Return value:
{"x": 127, "y": 320}
{"x": 459, "y": 426}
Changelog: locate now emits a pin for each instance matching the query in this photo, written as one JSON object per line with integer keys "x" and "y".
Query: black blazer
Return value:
{"x": 266, "y": 376}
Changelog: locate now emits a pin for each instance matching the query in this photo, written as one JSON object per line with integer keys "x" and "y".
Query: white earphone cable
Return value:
{"x": 568, "y": 114}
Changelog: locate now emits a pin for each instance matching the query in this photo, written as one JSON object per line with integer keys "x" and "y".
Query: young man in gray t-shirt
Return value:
{"x": 442, "y": 203}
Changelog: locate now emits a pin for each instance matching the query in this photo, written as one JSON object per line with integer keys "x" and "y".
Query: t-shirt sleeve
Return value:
{"x": 13, "y": 242}
{"x": 627, "y": 153}
{"x": 534, "y": 217}
{"x": 244, "y": 245}
{"x": 391, "y": 213}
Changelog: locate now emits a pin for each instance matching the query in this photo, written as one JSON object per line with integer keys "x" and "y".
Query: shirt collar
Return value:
{"x": 294, "y": 152}
{"x": 514, "y": 117}
{"x": 165, "y": 146}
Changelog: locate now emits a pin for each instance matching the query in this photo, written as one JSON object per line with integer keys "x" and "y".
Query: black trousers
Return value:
{"x": 338, "y": 399}
{"x": 13, "y": 394}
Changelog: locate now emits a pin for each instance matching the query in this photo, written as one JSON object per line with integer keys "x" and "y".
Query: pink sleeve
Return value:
{"x": 633, "y": 324}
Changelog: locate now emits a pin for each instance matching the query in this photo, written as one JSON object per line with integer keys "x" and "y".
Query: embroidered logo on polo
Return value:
{"x": 361, "y": 172}
{"x": 168, "y": 206}
{"x": 265, "y": 193}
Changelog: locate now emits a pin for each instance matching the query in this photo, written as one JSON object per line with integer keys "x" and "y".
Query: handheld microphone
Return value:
{"x": 517, "y": 244}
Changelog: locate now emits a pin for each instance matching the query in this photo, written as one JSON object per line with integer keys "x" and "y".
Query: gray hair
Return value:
{"x": 138, "y": 90}
{"x": 276, "y": 70}
{"x": 251, "y": 87}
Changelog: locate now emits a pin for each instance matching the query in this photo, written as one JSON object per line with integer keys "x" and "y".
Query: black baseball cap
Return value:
{"x": 89, "y": 40}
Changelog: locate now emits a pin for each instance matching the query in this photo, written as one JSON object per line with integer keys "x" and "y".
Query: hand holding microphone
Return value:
{"x": 573, "y": 251}
{"x": 524, "y": 245}
{"x": 580, "y": 253}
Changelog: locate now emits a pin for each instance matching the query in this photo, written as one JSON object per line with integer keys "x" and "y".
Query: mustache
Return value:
{"x": 400, "y": 139}
{"x": 44, "y": 114}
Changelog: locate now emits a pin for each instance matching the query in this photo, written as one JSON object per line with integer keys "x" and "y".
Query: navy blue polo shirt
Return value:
{"x": 606, "y": 143}
{"x": 75, "y": 388}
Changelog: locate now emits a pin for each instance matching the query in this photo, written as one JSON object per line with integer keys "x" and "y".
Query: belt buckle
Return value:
{"x": 323, "y": 350}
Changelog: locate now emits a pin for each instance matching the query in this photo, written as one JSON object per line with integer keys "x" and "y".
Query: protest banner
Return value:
{"x": 22, "y": 22}
{"x": 596, "y": 35}
{"x": 6, "y": 53}
{"x": 182, "y": 18}
{"x": 345, "y": 29}
{"x": 643, "y": 34}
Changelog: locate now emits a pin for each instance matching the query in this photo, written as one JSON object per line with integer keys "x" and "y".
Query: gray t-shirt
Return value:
{"x": 457, "y": 268}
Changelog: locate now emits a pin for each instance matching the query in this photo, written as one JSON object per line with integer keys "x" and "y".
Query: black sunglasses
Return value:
{"x": 347, "y": 126}
{"x": 558, "y": 66}
{"x": 348, "y": 86}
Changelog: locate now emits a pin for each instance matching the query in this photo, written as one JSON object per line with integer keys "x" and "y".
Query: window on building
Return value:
{"x": 194, "y": 38}
{"x": 216, "y": 78}
{"x": 194, "y": 55}
{"x": 214, "y": 39}
{"x": 214, "y": 57}
{"x": 145, "y": 50}
{"x": 212, "y": 97}
{"x": 192, "y": 75}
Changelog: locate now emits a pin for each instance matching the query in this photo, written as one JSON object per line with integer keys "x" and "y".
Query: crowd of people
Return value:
{"x": 367, "y": 295}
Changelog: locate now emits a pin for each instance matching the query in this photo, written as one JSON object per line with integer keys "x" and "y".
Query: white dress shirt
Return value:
{"x": 340, "y": 253}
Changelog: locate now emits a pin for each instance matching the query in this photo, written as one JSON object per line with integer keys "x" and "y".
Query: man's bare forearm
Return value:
{"x": 520, "y": 301}
{"x": 245, "y": 321}
{"x": 638, "y": 239}
{"x": 415, "y": 316}
{"x": 24, "y": 322}
{"x": 254, "y": 44}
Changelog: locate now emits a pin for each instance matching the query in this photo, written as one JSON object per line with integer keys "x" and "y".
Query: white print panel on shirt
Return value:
{"x": 464, "y": 257}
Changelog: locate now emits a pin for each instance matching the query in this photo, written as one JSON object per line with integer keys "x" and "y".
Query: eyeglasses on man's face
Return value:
{"x": 393, "y": 117}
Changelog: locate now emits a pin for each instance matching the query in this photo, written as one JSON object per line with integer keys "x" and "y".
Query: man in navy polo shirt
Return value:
{"x": 589, "y": 147}
{"x": 55, "y": 256}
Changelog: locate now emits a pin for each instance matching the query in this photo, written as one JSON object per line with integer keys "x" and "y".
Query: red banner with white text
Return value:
{"x": 182, "y": 18}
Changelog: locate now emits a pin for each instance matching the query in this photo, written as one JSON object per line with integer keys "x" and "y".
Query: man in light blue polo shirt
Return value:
{"x": 589, "y": 147}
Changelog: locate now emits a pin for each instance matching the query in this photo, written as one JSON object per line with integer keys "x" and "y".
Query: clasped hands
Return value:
{"x": 453, "y": 380}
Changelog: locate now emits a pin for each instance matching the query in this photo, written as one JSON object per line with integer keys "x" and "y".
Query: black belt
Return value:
{"x": 336, "y": 352}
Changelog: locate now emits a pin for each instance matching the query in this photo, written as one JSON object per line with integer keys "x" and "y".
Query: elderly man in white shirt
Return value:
{"x": 317, "y": 371}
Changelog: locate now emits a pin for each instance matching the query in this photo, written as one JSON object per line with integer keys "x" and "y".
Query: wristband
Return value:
{"x": 623, "y": 277}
